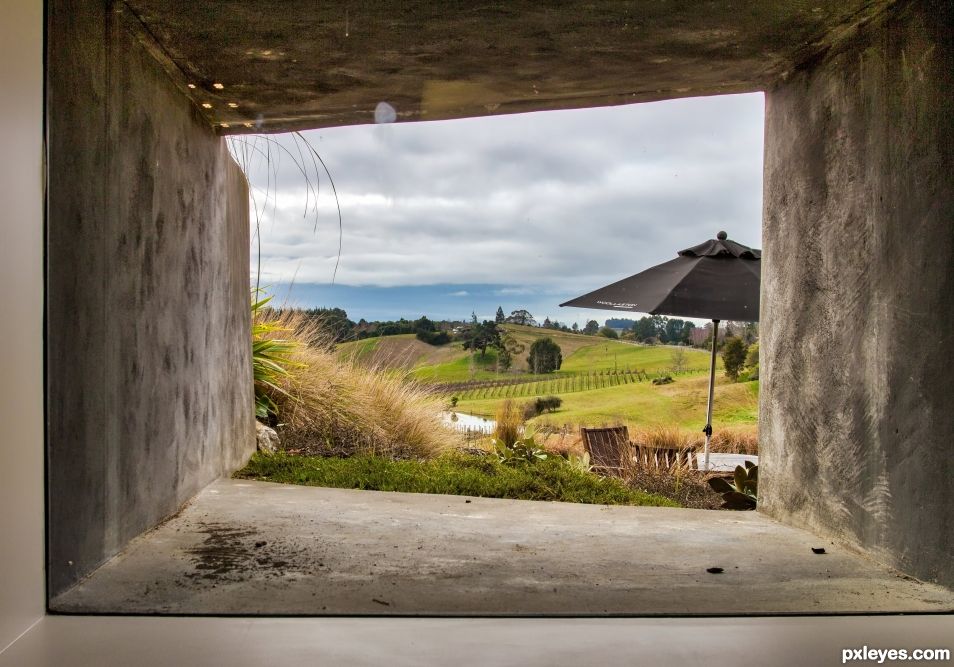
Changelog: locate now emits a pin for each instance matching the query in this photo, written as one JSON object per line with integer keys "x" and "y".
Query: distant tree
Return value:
{"x": 672, "y": 330}
{"x": 504, "y": 358}
{"x": 686, "y": 335}
{"x": 733, "y": 356}
{"x": 481, "y": 336}
{"x": 609, "y": 333}
{"x": 522, "y": 317}
{"x": 333, "y": 321}
{"x": 513, "y": 346}
{"x": 750, "y": 332}
{"x": 547, "y": 324}
{"x": 591, "y": 328}
{"x": 678, "y": 359}
{"x": 576, "y": 327}
{"x": 499, "y": 318}
{"x": 646, "y": 328}
{"x": 545, "y": 356}
{"x": 752, "y": 356}
{"x": 424, "y": 324}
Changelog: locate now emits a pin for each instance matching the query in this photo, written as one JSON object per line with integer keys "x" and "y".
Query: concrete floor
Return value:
{"x": 258, "y": 548}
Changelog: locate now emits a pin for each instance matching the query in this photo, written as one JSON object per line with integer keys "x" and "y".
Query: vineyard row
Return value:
{"x": 558, "y": 385}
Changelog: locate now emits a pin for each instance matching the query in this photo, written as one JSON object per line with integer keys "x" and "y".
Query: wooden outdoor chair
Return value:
{"x": 608, "y": 448}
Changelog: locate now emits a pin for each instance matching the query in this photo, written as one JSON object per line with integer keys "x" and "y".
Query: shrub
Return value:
{"x": 433, "y": 337}
{"x": 325, "y": 404}
{"x": 606, "y": 332}
{"x": 540, "y": 405}
{"x": 548, "y": 404}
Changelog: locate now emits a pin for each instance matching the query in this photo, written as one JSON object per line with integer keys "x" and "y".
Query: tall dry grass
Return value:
{"x": 729, "y": 439}
{"x": 334, "y": 406}
{"x": 509, "y": 418}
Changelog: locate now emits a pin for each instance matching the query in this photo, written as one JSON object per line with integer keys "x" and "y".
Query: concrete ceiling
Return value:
{"x": 277, "y": 65}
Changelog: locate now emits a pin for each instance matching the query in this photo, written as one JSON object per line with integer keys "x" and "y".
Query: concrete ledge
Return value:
{"x": 259, "y": 548}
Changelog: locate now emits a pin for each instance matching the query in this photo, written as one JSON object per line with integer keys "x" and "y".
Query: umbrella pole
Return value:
{"x": 712, "y": 364}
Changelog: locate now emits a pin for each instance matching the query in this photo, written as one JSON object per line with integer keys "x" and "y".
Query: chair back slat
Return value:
{"x": 607, "y": 447}
{"x": 660, "y": 458}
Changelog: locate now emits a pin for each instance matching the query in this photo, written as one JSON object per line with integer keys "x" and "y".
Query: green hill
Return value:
{"x": 581, "y": 354}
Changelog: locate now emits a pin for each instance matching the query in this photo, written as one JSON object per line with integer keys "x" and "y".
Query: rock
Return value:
{"x": 266, "y": 438}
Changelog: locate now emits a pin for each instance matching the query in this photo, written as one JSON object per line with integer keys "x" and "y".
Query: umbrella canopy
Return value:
{"x": 715, "y": 280}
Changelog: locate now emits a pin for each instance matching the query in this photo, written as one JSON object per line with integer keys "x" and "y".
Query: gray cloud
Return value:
{"x": 557, "y": 200}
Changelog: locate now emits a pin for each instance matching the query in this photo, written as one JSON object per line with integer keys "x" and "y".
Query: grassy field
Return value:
{"x": 456, "y": 474}
{"x": 613, "y": 355}
{"x": 682, "y": 403}
{"x": 602, "y": 381}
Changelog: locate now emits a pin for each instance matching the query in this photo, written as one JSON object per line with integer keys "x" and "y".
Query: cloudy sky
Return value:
{"x": 522, "y": 211}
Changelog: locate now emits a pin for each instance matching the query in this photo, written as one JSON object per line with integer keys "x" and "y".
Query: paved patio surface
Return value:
{"x": 244, "y": 547}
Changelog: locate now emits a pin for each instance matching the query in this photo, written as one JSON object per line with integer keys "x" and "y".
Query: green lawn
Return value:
{"x": 456, "y": 474}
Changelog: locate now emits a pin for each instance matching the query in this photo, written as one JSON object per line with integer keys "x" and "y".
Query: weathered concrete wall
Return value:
{"x": 856, "y": 415}
{"x": 149, "y": 375}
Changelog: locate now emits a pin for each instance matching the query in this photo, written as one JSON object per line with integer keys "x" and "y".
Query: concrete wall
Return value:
{"x": 856, "y": 414}
{"x": 21, "y": 355}
{"x": 149, "y": 375}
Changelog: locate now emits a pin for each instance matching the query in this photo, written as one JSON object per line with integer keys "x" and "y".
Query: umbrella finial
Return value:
{"x": 722, "y": 236}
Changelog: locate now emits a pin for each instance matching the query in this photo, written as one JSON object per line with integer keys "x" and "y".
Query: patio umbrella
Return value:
{"x": 716, "y": 280}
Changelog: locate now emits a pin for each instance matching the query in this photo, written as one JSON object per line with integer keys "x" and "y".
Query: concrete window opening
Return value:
{"x": 148, "y": 370}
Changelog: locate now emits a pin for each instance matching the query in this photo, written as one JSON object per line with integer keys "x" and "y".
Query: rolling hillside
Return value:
{"x": 602, "y": 381}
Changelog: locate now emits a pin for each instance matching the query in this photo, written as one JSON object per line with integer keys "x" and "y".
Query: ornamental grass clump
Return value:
{"x": 322, "y": 404}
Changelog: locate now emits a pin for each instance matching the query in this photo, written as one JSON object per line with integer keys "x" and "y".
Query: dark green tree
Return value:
{"x": 609, "y": 333}
{"x": 334, "y": 321}
{"x": 733, "y": 356}
{"x": 545, "y": 356}
{"x": 499, "y": 319}
{"x": 672, "y": 330}
{"x": 646, "y": 329}
{"x": 591, "y": 328}
{"x": 424, "y": 324}
{"x": 481, "y": 336}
